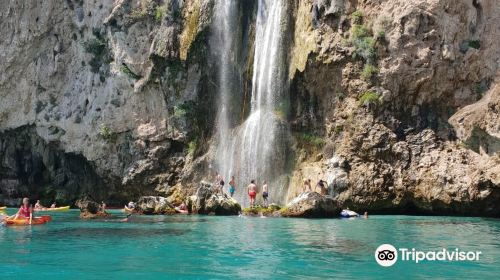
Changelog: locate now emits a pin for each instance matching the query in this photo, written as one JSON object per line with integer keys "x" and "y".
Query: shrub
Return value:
{"x": 159, "y": 13}
{"x": 369, "y": 98}
{"x": 365, "y": 48}
{"x": 368, "y": 72}
{"x": 192, "y": 147}
{"x": 357, "y": 17}
{"x": 364, "y": 44}
{"x": 98, "y": 47}
{"x": 106, "y": 133}
{"x": 126, "y": 70}
{"x": 359, "y": 31}
{"x": 474, "y": 44}
{"x": 311, "y": 139}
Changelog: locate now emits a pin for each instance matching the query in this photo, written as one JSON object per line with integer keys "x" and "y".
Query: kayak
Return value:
{"x": 26, "y": 221}
{"x": 63, "y": 208}
{"x": 348, "y": 214}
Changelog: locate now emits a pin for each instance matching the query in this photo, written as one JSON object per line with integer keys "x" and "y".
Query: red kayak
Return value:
{"x": 26, "y": 221}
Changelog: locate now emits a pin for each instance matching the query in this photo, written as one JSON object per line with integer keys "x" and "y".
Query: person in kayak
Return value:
{"x": 232, "y": 186}
{"x": 265, "y": 193}
{"x": 25, "y": 211}
{"x": 252, "y": 192}
{"x": 39, "y": 206}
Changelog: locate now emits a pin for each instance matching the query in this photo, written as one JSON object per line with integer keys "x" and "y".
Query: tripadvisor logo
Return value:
{"x": 387, "y": 255}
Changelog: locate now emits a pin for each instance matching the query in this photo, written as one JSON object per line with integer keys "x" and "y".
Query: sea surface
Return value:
{"x": 208, "y": 247}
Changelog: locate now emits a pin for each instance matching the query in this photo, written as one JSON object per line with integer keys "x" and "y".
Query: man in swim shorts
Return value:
{"x": 265, "y": 193}
{"x": 252, "y": 192}
{"x": 232, "y": 186}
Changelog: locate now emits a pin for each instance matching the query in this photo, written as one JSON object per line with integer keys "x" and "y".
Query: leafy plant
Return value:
{"x": 159, "y": 13}
{"x": 106, "y": 133}
{"x": 364, "y": 44}
{"x": 192, "y": 147}
{"x": 368, "y": 71}
{"x": 98, "y": 47}
{"x": 476, "y": 44}
{"x": 311, "y": 139}
{"x": 126, "y": 70}
{"x": 357, "y": 17}
{"x": 369, "y": 98}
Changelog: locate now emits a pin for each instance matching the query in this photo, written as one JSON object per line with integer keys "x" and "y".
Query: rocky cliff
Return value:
{"x": 394, "y": 103}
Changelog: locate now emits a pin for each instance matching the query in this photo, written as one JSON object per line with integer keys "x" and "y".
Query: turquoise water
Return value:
{"x": 206, "y": 247}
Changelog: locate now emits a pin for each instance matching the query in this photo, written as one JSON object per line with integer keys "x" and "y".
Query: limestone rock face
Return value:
{"x": 410, "y": 107}
{"x": 394, "y": 103}
{"x": 104, "y": 82}
{"x": 208, "y": 201}
{"x": 311, "y": 205}
{"x": 154, "y": 205}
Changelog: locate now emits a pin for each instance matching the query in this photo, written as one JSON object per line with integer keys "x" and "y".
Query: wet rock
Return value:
{"x": 154, "y": 205}
{"x": 89, "y": 209}
{"x": 208, "y": 201}
{"x": 311, "y": 205}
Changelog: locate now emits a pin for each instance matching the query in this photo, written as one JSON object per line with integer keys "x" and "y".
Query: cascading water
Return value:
{"x": 257, "y": 149}
{"x": 222, "y": 43}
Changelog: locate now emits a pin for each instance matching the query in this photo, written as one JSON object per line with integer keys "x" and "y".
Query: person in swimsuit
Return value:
{"x": 53, "y": 205}
{"x": 265, "y": 193}
{"x": 25, "y": 211}
{"x": 232, "y": 186}
{"x": 322, "y": 187}
{"x": 307, "y": 185}
{"x": 38, "y": 205}
{"x": 252, "y": 192}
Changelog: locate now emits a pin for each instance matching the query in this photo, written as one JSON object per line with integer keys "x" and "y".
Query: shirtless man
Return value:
{"x": 265, "y": 193}
{"x": 307, "y": 185}
{"x": 38, "y": 205}
{"x": 252, "y": 192}
{"x": 232, "y": 186}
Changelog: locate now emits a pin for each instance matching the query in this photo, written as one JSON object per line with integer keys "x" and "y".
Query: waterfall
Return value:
{"x": 257, "y": 149}
{"x": 222, "y": 44}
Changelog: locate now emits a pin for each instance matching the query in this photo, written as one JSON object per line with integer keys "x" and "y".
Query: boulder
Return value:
{"x": 208, "y": 201}
{"x": 89, "y": 209}
{"x": 154, "y": 205}
{"x": 311, "y": 205}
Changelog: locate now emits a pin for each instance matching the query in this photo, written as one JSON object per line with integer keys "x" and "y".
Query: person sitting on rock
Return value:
{"x": 53, "y": 205}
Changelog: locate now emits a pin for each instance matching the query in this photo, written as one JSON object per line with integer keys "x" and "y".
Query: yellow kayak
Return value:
{"x": 63, "y": 208}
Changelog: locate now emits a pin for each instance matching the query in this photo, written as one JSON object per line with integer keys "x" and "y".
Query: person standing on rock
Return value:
{"x": 265, "y": 193}
{"x": 307, "y": 185}
{"x": 322, "y": 187}
{"x": 232, "y": 186}
{"x": 252, "y": 192}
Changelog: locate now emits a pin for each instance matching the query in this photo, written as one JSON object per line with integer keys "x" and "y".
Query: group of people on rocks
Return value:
{"x": 321, "y": 186}
{"x": 252, "y": 189}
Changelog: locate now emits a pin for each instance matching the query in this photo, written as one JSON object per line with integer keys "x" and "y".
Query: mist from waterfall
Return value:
{"x": 257, "y": 149}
